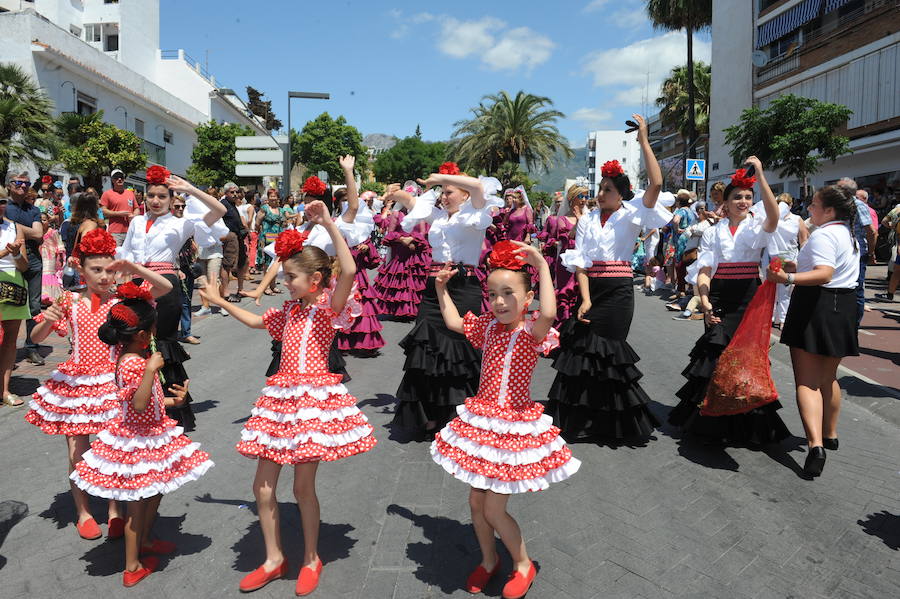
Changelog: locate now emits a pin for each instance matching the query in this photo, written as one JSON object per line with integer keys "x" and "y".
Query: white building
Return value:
{"x": 841, "y": 51}
{"x": 603, "y": 146}
{"x": 92, "y": 55}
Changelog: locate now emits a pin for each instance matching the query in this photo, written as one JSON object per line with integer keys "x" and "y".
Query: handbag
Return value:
{"x": 13, "y": 294}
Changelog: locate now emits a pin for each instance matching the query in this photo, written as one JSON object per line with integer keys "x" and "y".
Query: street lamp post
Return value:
{"x": 125, "y": 110}
{"x": 74, "y": 101}
{"x": 286, "y": 178}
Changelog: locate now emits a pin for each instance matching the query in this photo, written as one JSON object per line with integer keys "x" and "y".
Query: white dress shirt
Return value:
{"x": 719, "y": 246}
{"x": 453, "y": 237}
{"x": 832, "y": 245}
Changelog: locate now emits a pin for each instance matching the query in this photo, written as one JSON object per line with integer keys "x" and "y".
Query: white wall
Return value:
{"x": 616, "y": 145}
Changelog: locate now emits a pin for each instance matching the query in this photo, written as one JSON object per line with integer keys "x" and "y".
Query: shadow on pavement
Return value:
{"x": 381, "y": 400}
{"x": 202, "y": 406}
{"x": 860, "y": 388}
{"x": 62, "y": 509}
{"x": 11, "y": 513}
{"x": 885, "y": 526}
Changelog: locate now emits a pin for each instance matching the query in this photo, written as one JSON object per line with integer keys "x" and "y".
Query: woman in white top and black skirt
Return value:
{"x": 820, "y": 327}
{"x": 727, "y": 267}
{"x": 153, "y": 241}
{"x": 442, "y": 368}
{"x": 596, "y": 395}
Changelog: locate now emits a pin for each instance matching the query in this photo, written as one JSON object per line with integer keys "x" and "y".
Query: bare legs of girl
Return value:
{"x": 819, "y": 401}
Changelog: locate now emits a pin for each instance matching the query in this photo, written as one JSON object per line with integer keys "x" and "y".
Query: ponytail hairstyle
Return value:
{"x": 839, "y": 198}
{"x": 505, "y": 256}
{"x": 613, "y": 171}
{"x": 133, "y": 314}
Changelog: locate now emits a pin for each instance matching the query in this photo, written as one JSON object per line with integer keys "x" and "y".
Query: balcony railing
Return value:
{"x": 778, "y": 69}
{"x": 156, "y": 154}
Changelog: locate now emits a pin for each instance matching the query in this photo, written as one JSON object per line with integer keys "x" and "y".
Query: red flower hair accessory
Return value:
{"x": 289, "y": 242}
{"x": 123, "y": 313}
{"x": 47, "y": 179}
{"x": 157, "y": 175}
{"x": 314, "y": 186}
{"x": 505, "y": 255}
{"x": 449, "y": 168}
{"x": 96, "y": 243}
{"x": 131, "y": 291}
{"x": 612, "y": 169}
{"x": 741, "y": 180}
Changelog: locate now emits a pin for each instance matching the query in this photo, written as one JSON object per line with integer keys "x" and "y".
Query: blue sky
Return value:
{"x": 392, "y": 65}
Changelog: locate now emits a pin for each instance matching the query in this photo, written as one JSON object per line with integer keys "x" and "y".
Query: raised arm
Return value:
{"x": 469, "y": 184}
{"x": 768, "y": 198}
{"x": 546, "y": 291}
{"x": 347, "y": 163}
{"x": 216, "y": 208}
{"x": 654, "y": 173}
{"x": 158, "y": 283}
{"x": 318, "y": 215}
{"x": 211, "y": 294}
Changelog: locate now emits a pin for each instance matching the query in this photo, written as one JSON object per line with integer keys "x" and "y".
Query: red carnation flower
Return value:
{"x": 131, "y": 291}
{"x": 96, "y": 243}
{"x": 288, "y": 243}
{"x": 157, "y": 175}
{"x": 449, "y": 168}
{"x": 741, "y": 180}
{"x": 123, "y": 313}
{"x": 314, "y": 186}
{"x": 505, "y": 255}
{"x": 47, "y": 179}
{"x": 612, "y": 169}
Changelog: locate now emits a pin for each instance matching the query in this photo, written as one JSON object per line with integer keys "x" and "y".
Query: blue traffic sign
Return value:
{"x": 695, "y": 169}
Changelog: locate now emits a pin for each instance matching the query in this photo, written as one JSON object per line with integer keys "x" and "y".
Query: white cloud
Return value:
{"x": 460, "y": 39}
{"x": 519, "y": 47}
{"x": 595, "y": 5}
{"x": 591, "y": 118}
{"x": 423, "y": 17}
{"x": 630, "y": 17}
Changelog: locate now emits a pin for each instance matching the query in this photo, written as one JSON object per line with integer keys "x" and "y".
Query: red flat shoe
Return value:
{"x": 479, "y": 578}
{"x": 89, "y": 529}
{"x": 115, "y": 528}
{"x": 260, "y": 578}
{"x": 518, "y": 583}
{"x": 308, "y": 579}
{"x": 159, "y": 547}
{"x": 148, "y": 566}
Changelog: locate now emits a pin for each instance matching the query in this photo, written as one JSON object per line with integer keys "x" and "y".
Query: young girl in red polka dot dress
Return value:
{"x": 501, "y": 442}
{"x": 141, "y": 454}
{"x": 79, "y": 398}
{"x": 305, "y": 414}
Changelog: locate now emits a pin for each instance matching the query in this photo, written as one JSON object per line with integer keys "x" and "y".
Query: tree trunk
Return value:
{"x": 692, "y": 126}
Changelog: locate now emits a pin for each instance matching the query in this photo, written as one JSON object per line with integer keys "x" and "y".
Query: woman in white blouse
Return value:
{"x": 154, "y": 240}
{"x": 787, "y": 240}
{"x": 596, "y": 394}
{"x": 820, "y": 327}
{"x": 728, "y": 265}
{"x": 442, "y": 368}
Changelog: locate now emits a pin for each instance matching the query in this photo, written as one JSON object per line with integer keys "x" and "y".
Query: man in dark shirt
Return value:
{"x": 28, "y": 217}
{"x": 234, "y": 253}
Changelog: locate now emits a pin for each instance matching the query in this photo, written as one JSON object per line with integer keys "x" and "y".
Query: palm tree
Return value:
{"x": 507, "y": 129}
{"x": 675, "y": 15}
{"x": 673, "y": 100}
{"x": 26, "y": 125}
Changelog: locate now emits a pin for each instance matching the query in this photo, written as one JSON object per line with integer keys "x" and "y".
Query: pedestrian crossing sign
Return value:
{"x": 695, "y": 169}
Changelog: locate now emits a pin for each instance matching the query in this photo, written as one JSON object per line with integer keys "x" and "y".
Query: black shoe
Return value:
{"x": 35, "y": 358}
{"x": 885, "y": 296}
{"x": 830, "y": 444}
{"x": 815, "y": 461}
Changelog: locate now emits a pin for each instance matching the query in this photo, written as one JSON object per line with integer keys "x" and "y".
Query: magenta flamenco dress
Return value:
{"x": 397, "y": 290}
{"x": 365, "y": 332}
{"x": 565, "y": 282}
{"x": 501, "y": 440}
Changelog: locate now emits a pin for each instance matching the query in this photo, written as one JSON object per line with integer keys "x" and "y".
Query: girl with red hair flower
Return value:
{"x": 727, "y": 275}
{"x": 596, "y": 394}
{"x": 79, "y": 397}
{"x": 154, "y": 240}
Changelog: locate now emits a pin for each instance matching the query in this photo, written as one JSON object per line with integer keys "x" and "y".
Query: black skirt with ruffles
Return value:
{"x": 336, "y": 362}
{"x": 168, "y": 317}
{"x": 759, "y": 426}
{"x": 822, "y": 321}
{"x": 596, "y": 394}
{"x": 442, "y": 368}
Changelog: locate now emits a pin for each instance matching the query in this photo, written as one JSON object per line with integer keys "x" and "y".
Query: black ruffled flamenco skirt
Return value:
{"x": 168, "y": 317}
{"x": 759, "y": 426}
{"x": 442, "y": 368}
{"x": 596, "y": 395}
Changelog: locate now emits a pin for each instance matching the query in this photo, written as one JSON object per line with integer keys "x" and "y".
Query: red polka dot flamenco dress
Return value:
{"x": 139, "y": 454}
{"x": 501, "y": 440}
{"x": 79, "y": 398}
{"x": 305, "y": 413}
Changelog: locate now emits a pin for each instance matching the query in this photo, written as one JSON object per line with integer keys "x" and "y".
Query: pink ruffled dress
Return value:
{"x": 397, "y": 290}
{"x": 365, "y": 332}
{"x": 79, "y": 398}
{"x": 305, "y": 413}
{"x": 501, "y": 440}
{"x": 139, "y": 454}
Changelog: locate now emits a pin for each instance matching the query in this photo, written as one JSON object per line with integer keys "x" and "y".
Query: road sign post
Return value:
{"x": 259, "y": 155}
{"x": 695, "y": 169}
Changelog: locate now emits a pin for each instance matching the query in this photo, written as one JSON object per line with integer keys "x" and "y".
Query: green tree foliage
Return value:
{"x": 26, "y": 125}
{"x": 410, "y": 158}
{"x": 509, "y": 129}
{"x": 262, "y": 108}
{"x": 673, "y": 99}
{"x": 372, "y": 186}
{"x": 94, "y": 148}
{"x": 323, "y": 140}
{"x": 212, "y": 159}
{"x": 793, "y": 135}
{"x": 540, "y": 198}
{"x": 512, "y": 175}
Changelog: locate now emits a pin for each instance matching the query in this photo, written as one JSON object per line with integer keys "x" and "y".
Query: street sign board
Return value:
{"x": 258, "y": 170}
{"x": 254, "y": 142}
{"x": 695, "y": 169}
{"x": 259, "y": 155}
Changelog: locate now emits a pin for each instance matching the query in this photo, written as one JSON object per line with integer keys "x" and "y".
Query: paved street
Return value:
{"x": 668, "y": 519}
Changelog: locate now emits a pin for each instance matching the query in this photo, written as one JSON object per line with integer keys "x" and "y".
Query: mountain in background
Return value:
{"x": 563, "y": 168}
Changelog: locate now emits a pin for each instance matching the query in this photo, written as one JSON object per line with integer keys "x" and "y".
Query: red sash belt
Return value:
{"x": 163, "y": 268}
{"x": 737, "y": 270}
{"x": 610, "y": 269}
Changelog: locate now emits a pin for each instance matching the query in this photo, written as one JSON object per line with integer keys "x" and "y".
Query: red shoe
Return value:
{"x": 518, "y": 583}
{"x": 479, "y": 578}
{"x": 89, "y": 529}
{"x": 260, "y": 578}
{"x": 159, "y": 547}
{"x": 148, "y": 566}
{"x": 308, "y": 579}
{"x": 115, "y": 528}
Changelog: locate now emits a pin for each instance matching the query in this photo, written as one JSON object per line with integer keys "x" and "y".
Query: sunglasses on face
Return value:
{"x": 4, "y": 202}
{"x": 21, "y": 183}
{"x": 178, "y": 207}
{"x": 583, "y": 197}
